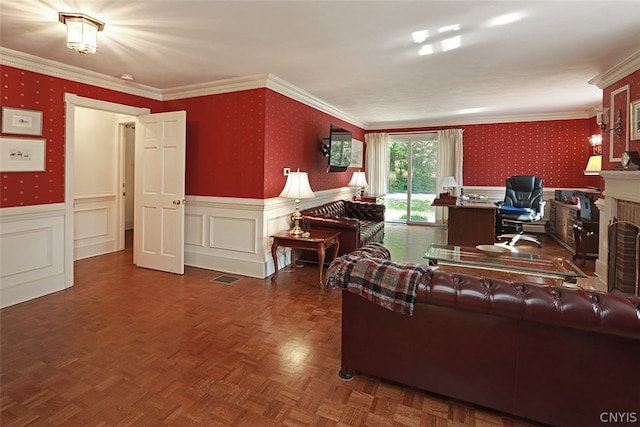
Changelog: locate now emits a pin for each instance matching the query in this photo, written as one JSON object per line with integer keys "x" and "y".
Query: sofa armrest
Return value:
{"x": 365, "y": 211}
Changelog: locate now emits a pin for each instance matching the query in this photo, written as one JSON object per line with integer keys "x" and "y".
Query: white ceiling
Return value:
{"x": 357, "y": 56}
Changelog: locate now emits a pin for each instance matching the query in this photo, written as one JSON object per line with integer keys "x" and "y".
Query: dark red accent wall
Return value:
{"x": 633, "y": 80}
{"x": 292, "y": 139}
{"x": 34, "y": 91}
{"x": 556, "y": 150}
{"x": 239, "y": 143}
{"x": 225, "y": 143}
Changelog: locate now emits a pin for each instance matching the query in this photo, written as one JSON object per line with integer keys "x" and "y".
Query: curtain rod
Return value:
{"x": 414, "y": 132}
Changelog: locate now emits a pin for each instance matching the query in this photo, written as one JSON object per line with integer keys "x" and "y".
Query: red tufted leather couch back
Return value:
{"x": 554, "y": 355}
{"x": 575, "y": 308}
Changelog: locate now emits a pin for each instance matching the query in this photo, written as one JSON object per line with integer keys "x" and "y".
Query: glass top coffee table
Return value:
{"x": 557, "y": 268}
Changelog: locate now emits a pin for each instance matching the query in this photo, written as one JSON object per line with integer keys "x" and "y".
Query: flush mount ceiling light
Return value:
{"x": 82, "y": 31}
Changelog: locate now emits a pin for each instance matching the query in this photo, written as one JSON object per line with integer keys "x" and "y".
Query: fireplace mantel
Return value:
{"x": 622, "y": 185}
{"x": 619, "y": 185}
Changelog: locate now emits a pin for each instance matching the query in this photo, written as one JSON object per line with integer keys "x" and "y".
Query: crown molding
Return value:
{"x": 480, "y": 120}
{"x": 278, "y": 85}
{"x": 617, "y": 72}
{"x": 234, "y": 84}
{"x": 36, "y": 64}
{"x": 257, "y": 81}
{"x": 24, "y": 61}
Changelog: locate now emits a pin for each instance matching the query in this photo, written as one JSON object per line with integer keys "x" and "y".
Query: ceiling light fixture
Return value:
{"x": 82, "y": 31}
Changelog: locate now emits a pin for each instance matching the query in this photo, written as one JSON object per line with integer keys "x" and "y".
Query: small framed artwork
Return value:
{"x": 635, "y": 119}
{"x": 19, "y": 121}
{"x": 22, "y": 155}
{"x": 356, "y": 153}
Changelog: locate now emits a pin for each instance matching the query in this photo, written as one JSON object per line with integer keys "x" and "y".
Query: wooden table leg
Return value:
{"x": 274, "y": 255}
{"x": 321, "y": 253}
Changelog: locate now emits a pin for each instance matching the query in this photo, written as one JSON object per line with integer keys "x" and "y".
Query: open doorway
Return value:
{"x": 160, "y": 195}
{"x": 90, "y": 211}
{"x": 104, "y": 162}
{"x": 128, "y": 138}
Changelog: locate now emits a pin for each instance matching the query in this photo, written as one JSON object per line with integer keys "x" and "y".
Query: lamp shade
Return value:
{"x": 297, "y": 186}
{"x": 594, "y": 165}
{"x": 448, "y": 182}
{"x": 359, "y": 180}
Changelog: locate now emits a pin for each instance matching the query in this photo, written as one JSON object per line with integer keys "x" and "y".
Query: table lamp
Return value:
{"x": 297, "y": 187}
{"x": 359, "y": 181}
{"x": 448, "y": 183}
{"x": 594, "y": 165}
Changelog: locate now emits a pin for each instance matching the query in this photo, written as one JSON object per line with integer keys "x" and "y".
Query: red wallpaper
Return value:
{"x": 292, "y": 139}
{"x": 556, "y": 150}
{"x": 225, "y": 143}
{"x": 620, "y": 101}
{"x": 238, "y": 143}
{"x": 26, "y": 89}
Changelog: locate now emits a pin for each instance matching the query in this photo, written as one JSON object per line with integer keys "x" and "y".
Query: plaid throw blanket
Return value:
{"x": 391, "y": 285}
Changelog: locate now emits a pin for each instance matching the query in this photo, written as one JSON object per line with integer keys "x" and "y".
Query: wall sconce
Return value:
{"x": 596, "y": 144}
{"x": 82, "y": 31}
{"x": 602, "y": 119}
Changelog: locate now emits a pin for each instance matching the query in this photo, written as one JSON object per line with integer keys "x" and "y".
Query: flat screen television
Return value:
{"x": 338, "y": 148}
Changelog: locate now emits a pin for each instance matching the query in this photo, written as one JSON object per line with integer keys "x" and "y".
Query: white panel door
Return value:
{"x": 159, "y": 191}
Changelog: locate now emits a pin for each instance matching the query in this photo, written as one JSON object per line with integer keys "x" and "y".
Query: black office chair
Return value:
{"x": 523, "y": 203}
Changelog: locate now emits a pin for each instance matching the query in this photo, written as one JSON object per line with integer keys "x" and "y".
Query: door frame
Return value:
{"x": 71, "y": 102}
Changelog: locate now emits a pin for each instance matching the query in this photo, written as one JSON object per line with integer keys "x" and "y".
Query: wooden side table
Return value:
{"x": 318, "y": 240}
{"x": 372, "y": 198}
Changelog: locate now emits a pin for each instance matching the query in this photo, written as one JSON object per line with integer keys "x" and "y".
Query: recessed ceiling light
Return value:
{"x": 127, "y": 77}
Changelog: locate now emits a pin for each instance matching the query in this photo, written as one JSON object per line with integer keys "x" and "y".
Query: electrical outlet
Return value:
{"x": 286, "y": 171}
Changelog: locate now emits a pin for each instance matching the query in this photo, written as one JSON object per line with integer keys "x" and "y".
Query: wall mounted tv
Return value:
{"x": 337, "y": 148}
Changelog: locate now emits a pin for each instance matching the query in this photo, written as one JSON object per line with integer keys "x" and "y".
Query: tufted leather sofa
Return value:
{"x": 555, "y": 355}
{"x": 358, "y": 223}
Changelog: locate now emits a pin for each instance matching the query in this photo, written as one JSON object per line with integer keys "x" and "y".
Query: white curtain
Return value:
{"x": 449, "y": 164}
{"x": 377, "y": 162}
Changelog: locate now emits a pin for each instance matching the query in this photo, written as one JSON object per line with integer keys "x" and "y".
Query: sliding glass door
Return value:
{"x": 411, "y": 183}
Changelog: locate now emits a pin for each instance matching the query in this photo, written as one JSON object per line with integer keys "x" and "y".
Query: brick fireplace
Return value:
{"x": 621, "y": 203}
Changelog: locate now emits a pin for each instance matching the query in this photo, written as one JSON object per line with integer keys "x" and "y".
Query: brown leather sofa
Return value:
{"x": 358, "y": 223}
{"x": 554, "y": 355}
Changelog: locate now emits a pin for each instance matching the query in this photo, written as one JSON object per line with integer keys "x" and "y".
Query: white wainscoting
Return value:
{"x": 94, "y": 225}
{"x": 31, "y": 252}
{"x": 232, "y": 235}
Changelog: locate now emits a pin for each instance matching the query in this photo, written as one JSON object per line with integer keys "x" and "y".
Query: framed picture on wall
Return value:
{"x": 356, "y": 153}
{"x": 635, "y": 119}
{"x": 19, "y": 121}
{"x": 22, "y": 155}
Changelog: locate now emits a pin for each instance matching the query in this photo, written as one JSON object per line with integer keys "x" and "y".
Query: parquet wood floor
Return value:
{"x": 128, "y": 346}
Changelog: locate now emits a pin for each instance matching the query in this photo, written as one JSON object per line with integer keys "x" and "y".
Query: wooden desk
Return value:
{"x": 318, "y": 240}
{"x": 472, "y": 223}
